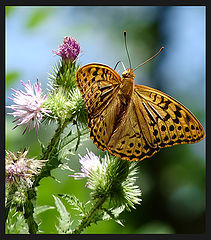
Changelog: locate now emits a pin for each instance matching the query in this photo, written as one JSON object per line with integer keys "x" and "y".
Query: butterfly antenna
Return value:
{"x": 149, "y": 58}
{"x": 125, "y": 33}
{"x": 117, "y": 64}
{"x": 122, "y": 65}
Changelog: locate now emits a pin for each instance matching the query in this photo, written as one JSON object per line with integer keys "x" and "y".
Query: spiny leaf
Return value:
{"x": 15, "y": 223}
{"x": 40, "y": 209}
{"x": 74, "y": 201}
{"x": 68, "y": 143}
{"x": 64, "y": 219}
{"x": 114, "y": 214}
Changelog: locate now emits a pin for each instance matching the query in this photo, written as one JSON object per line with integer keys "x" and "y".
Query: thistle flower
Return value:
{"x": 110, "y": 178}
{"x": 28, "y": 108}
{"x": 20, "y": 170}
{"x": 69, "y": 50}
{"x": 89, "y": 162}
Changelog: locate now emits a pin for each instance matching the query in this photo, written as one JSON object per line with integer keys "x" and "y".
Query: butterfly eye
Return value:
{"x": 125, "y": 73}
{"x": 128, "y": 73}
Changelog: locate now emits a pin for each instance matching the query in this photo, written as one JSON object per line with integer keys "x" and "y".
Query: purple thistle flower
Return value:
{"x": 69, "y": 50}
{"x": 28, "y": 108}
{"x": 90, "y": 162}
{"x": 20, "y": 170}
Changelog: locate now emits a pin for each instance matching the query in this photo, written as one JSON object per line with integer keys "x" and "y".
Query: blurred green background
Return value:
{"x": 172, "y": 181}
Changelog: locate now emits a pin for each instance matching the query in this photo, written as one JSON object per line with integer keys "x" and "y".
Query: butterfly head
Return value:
{"x": 128, "y": 73}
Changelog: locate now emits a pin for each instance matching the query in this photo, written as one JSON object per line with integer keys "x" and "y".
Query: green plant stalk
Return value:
{"x": 9, "y": 200}
{"x": 31, "y": 193}
{"x": 88, "y": 218}
{"x": 28, "y": 215}
{"x": 45, "y": 172}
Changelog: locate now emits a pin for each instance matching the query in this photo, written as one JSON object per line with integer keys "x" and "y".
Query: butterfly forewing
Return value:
{"x": 98, "y": 84}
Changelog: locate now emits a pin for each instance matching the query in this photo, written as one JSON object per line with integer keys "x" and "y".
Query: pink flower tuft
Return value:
{"x": 28, "y": 106}
{"x": 89, "y": 162}
{"x": 20, "y": 170}
{"x": 69, "y": 50}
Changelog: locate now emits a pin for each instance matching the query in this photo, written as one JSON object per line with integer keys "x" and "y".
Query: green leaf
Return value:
{"x": 16, "y": 223}
{"x": 113, "y": 214}
{"x": 64, "y": 219}
{"x": 73, "y": 200}
{"x": 43, "y": 148}
{"x": 38, "y": 16}
{"x": 41, "y": 209}
{"x": 69, "y": 142}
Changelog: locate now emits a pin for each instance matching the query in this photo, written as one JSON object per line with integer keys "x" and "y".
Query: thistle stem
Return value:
{"x": 51, "y": 164}
{"x": 9, "y": 200}
{"x": 28, "y": 215}
{"x": 47, "y": 155}
{"x": 88, "y": 218}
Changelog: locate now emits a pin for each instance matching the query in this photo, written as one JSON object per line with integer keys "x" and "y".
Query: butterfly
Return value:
{"x": 133, "y": 121}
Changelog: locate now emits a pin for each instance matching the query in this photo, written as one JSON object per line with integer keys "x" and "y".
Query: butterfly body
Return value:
{"x": 127, "y": 83}
{"x": 133, "y": 121}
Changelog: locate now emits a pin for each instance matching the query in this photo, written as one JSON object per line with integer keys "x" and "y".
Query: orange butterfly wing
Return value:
{"x": 150, "y": 120}
{"x": 99, "y": 86}
{"x": 168, "y": 122}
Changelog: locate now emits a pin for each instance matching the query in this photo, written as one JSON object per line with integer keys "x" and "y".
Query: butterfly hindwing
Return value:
{"x": 102, "y": 126}
{"x": 128, "y": 141}
{"x": 153, "y": 120}
{"x": 168, "y": 121}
